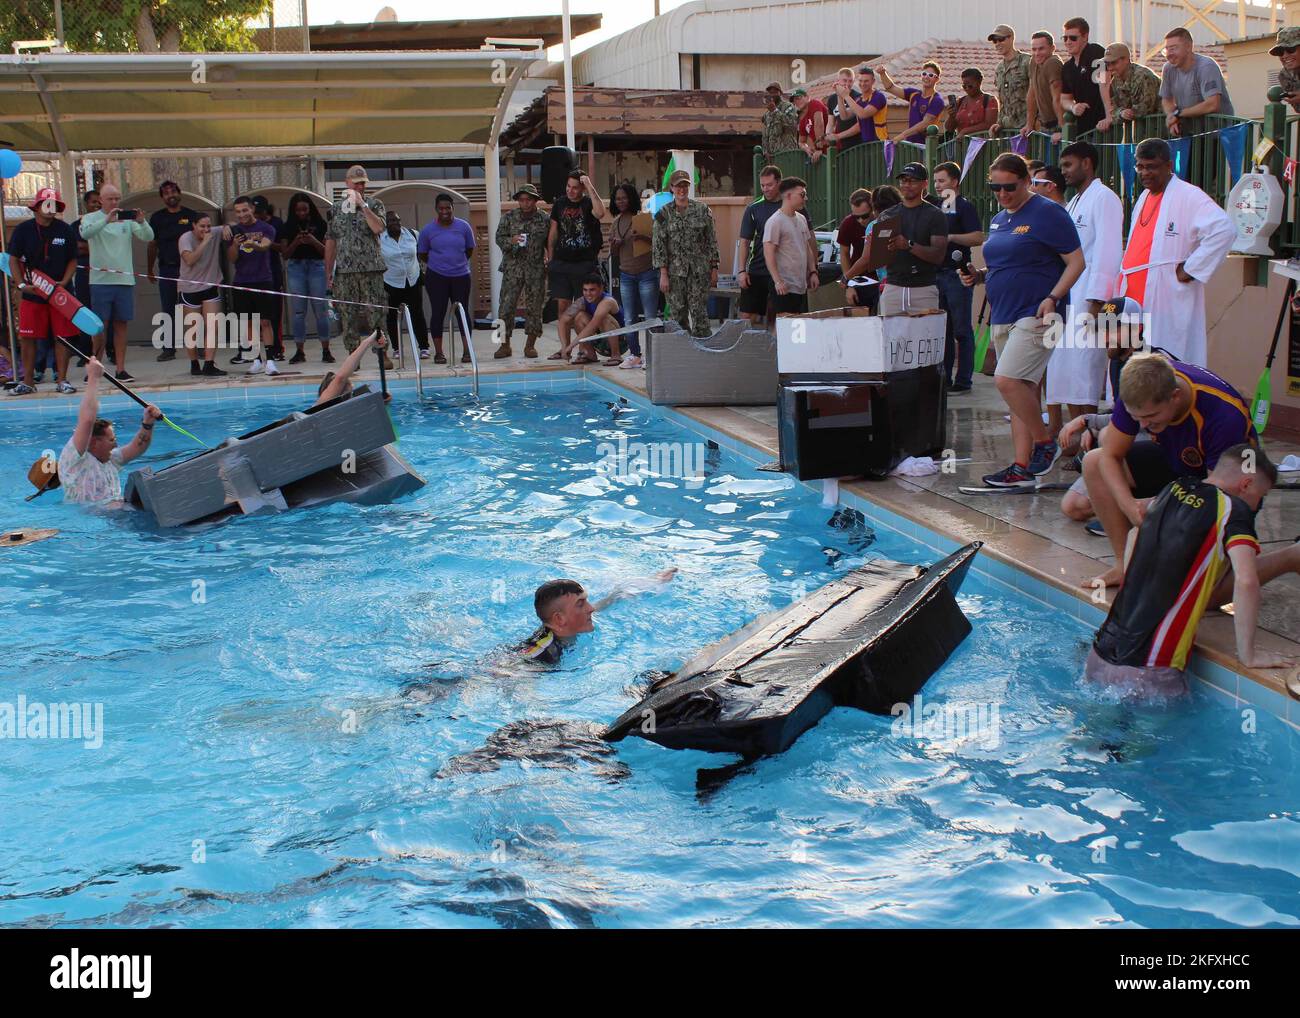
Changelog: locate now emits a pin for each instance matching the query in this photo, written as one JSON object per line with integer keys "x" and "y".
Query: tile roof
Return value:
{"x": 954, "y": 56}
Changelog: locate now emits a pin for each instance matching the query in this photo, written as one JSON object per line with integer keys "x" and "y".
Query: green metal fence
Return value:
{"x": 836, "y": 175}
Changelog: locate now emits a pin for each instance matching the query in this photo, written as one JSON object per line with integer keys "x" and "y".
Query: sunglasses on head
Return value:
{"x": 1004, "y": 187}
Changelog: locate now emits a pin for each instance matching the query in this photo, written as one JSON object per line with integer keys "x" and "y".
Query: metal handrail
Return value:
{"x": 459, "y": 316}
{"x": 415, "y": 351}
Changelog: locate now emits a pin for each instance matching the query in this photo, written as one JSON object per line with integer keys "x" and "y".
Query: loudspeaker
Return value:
{"x": 558, "y": 161}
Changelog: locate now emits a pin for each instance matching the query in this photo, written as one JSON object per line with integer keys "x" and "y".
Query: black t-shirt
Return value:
{"x": 46, "y": 249}
{"x": 277, "y": 266}
{"x": 752, "y": 224}
{"x": 1179, "y": 556}
{"x": 168, "y": 229}
{"x": 843, "y": 123}
{"x": 577, "y": 236}
{"x": 304, "y": 251}
{"x": 962, "y": 219}
{"x": 543, "y": 647}
{"x": 1077, "y": 81}
{"x": 923, "y": 224}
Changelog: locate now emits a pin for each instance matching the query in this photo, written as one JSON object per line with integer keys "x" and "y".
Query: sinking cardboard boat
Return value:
{"x": 736, "y": 366}
{"x": 869, "y": 639}
{"x": 339, "y": 451}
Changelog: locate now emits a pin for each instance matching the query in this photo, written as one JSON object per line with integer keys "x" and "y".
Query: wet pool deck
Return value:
{"x": 1025, "y": 531}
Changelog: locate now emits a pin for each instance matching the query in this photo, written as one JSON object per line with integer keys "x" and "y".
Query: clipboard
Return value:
{"x": 879, "y": 254}
{"x": 642, "y": 222}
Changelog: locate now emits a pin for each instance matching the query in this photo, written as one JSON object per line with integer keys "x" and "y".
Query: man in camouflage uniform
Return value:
{"x": 685, "y": 251}
{"x": 1288, "y": 50}
{"x": 523, "y": 268}
{"x": 354, "y": 266}
{"x": 780, "y": 123}
{"x": 1011, "y": 80}
{"x": 1130, "y": 90}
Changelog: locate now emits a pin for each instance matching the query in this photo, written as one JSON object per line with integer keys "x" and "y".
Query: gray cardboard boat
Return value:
{"x": 736, "y": 366}
{"x": 340, "y": 451}
{"x": 869, "y": 639}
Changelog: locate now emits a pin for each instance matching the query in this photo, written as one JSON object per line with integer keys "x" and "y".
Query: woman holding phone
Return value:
{"x": 1033, "y": 257}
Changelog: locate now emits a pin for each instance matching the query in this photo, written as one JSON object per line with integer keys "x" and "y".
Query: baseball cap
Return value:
{"x": 1286, "y": 38}
{"x": 916, "y": 171}
{"x": 44, "y": 195}
{"x": 1001, "y": 31}
{"x": 1114, "y": 51}
{"x": 679, "y": 177}
{"x": 356, "y": 172}
{"x": 798, "y": 92}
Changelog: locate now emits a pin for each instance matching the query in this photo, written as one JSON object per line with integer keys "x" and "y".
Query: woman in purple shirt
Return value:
{"x": 445, "y": 246}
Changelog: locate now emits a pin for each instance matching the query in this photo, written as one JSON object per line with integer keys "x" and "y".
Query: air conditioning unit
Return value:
{"x": 31, "y": 47}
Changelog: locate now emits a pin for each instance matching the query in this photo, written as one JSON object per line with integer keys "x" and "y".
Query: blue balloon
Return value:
{"x": 10, "y": 163}
{"x": 659, "y": 200}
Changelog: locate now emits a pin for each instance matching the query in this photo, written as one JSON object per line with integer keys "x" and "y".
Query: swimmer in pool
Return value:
{"x": 565, "y": 612}
{"x": 1194, "y": 549}
{"x": 339, "y": 383}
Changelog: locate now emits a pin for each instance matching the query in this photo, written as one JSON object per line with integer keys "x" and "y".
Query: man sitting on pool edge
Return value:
{"x": 339, "y": 383}
{"x": 1194, "y": 549}
{"x": 89, "y": 465}
{"x": 565, "y": 612}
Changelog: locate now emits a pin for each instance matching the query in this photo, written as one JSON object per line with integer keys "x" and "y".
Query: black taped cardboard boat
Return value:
{"x": 869, "y": 639}
{"x": 340, "y": 451}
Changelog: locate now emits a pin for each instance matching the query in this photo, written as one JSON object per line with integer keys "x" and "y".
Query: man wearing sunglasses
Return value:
{"x": 1288, "y": 50}
{"x": 1080, "y": 90}
{"x": 924, "y": 104}
{"x": 1011, "y": 79}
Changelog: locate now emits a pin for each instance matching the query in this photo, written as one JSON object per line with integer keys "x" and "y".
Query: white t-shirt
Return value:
{"x": 85, "y": 479}
{"x": 790, "y": 235}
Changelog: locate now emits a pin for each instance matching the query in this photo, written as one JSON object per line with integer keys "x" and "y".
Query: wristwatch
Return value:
{"x": 1178, "y": 111}
{"x": 910, "y": 245}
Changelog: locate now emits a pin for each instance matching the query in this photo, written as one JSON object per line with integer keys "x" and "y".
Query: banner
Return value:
{"x": 972, "y": 150}
{"x": 1127, "y": 166}
{"x": 1181, "y": 148}
{"x": 1233, "y": 142}
{"x": 1019, "y": 144}
{"x": 889, "y": 159}
{"x": 1262, "y": 150}
{"x": 1288, "y": 170}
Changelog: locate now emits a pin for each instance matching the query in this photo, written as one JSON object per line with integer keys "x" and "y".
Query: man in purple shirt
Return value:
{"x": 870, "y": 106}
{"x": 249, "y": 251}
{"x": 1193, "y": 415}
{"x": 924, "y": 104}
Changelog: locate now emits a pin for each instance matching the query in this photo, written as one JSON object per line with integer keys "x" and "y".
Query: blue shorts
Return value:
{"x": 112, "y": 302}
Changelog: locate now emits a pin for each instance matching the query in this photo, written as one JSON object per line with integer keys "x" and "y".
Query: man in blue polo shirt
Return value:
{"x": 1193, "y": 415}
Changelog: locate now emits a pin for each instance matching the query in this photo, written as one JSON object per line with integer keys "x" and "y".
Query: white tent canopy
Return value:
{"x": 347, "y": 105}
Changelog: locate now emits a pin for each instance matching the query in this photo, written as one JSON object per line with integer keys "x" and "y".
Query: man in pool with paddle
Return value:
{"x": 90, "y": 464}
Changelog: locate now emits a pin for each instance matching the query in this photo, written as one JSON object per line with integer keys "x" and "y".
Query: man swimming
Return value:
{"x": 339, "y": 383}
{"x": 1194, "y": 549}
{"x": 565, "y": 612}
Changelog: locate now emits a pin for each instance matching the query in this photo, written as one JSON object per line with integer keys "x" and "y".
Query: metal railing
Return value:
{"x": 415, "y": 350}
{"x": 837, "y": 174}
{"x": 460, "y": 321}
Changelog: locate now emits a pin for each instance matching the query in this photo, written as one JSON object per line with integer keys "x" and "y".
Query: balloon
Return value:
{"x": 10, "y": 163}
{"x": 660, "y": 199}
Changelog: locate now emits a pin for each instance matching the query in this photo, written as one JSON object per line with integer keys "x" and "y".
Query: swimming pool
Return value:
{"x": 261, "y": 764}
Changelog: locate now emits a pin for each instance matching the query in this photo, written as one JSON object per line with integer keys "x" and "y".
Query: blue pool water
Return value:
{"x": 261, "y": 765}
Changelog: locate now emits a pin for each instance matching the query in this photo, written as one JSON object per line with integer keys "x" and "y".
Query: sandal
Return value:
{"x": 613, "y": 362}
{"x": 439, "y": 359}
{"x": 558, "y": 356}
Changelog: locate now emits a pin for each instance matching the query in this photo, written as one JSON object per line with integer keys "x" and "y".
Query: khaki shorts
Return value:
{"x": 1021, "y": 350}
{"x": 899, "y": 300}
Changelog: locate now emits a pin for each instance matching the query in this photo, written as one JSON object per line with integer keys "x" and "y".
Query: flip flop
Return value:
{"x": 613, "y": 362}
{"x": 555, "y": 357}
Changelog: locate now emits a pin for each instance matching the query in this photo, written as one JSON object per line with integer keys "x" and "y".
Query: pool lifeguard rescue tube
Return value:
{"x": 339, "y": 451}
{"x": 869, "y": 639}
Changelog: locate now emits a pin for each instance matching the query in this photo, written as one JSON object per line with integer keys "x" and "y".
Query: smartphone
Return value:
{"x": 126, "y": 214}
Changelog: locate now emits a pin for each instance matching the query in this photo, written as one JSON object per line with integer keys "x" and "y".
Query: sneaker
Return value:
{"x": 167, "y": 355}
{"x": 630, "y": 362}
{"x": 239, "y": 358}
{"x": 424, "y": 355}
{"x": 256, "y": 367}
{"x": 22, "y": 389}
{"x": 210, "y": 370}
{"x": 298, "y": 358}
{"x": 195, "y": 369}
{"x": 1095, "y": 528}
{"x": 39, "y": 377}
{"x": 65, "y": 386}
{"x": 1043, "y": 457}
{"x": 1014, "y": 476}
{"x": 125, "y": 376}
{"x": 271, "y": 369}
{"x": 958, "y": 390}
{"x": 326, "y": 357}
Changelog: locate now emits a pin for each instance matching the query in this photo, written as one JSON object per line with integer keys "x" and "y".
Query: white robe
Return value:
{"x": 1194, "y": 230}
{"x": 1076, "y": 372}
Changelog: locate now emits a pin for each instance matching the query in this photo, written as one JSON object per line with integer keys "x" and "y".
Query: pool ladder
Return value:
{"x": 459, "y": 323}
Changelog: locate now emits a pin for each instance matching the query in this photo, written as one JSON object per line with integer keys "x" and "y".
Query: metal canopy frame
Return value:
{"x": 389, "y": 98}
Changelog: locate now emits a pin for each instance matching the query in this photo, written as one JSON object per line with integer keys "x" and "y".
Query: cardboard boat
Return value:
{"x": 869, "y": 639}
{"x": 340, "y": 451}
